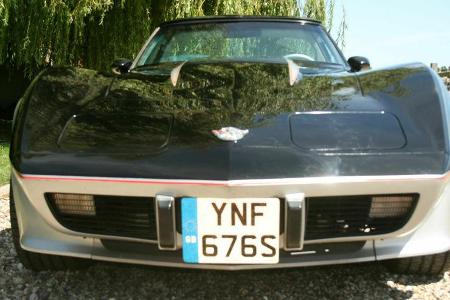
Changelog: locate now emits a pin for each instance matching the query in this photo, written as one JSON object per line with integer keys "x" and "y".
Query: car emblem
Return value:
{"x": 230, "y": 134}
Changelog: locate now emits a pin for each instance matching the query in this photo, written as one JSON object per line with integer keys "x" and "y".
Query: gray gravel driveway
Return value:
{"x": 108, "y": 281}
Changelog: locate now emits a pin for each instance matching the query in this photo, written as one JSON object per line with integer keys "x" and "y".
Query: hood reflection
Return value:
{"x": 82, "y": 117}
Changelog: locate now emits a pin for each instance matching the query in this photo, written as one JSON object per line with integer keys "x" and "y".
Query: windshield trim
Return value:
{"x": 206, "y": 20}
{"x": 238, "y": 18}
{"x": 141, "y": 52}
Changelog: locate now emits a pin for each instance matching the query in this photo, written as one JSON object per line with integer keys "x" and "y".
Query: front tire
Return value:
{"x": 435, "y": 264}
{"x": 38, "y": 261}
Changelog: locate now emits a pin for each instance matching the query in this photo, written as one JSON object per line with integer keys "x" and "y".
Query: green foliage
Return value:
{"x": 40, "y": 32}
{"x": 118, "y": 33}
{"x": 4, "y": 21}
{"x": 91, "y": 33}
{"x": 5, "y": 128}
{"x": 323, "y": 10}
{"x": 4, "y": 163}
{"x": 315, "y": 9}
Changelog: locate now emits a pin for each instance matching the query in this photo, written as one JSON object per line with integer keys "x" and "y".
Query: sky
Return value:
{"x": 390, "y": 32}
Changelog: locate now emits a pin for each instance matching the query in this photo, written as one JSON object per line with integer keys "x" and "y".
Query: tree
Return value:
{"x": 91, "y": 33}
{"x": 323, "y": 10}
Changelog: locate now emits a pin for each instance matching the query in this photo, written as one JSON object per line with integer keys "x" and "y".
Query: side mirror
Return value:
{"x": 358, "y": 63}
{"x": 121, "y": 66}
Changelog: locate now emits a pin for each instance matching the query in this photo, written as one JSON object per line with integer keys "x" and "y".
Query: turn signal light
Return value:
{"x": 391, "y": 206}
{"x": 74, "y": 204}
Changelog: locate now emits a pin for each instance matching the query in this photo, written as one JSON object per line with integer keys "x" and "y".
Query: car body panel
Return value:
{"x": 149, "y": 132}
{"x": 40, "y": 232}
{"x": 256, "y": 97}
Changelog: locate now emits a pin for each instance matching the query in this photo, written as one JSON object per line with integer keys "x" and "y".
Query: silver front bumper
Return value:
{"x": 427, "y": 232}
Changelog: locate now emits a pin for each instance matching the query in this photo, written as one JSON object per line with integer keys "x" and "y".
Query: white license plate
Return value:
{"x": 230, "y": 231}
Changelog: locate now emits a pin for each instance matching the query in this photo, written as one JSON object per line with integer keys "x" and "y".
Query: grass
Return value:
{"x": 5, "y": 128}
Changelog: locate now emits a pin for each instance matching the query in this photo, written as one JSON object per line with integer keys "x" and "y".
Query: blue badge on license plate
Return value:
{"x": 189, "y": 230}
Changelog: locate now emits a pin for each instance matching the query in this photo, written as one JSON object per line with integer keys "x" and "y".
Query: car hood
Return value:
{"x": 158, "y": 123}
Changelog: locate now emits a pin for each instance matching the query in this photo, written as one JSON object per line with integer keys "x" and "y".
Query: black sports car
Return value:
{"x": 233, "y": 143}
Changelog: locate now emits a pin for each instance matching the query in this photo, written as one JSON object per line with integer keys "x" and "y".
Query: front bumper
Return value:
{"x": 427, "y": 232}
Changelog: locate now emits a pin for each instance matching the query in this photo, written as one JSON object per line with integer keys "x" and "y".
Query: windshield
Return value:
{"x": 241, "y": 41}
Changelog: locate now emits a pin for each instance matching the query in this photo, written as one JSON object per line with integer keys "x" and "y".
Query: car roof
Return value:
{"x": 238, "y": 18}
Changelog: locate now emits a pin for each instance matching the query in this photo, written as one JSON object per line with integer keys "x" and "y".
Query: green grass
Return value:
{"x": 5, "y": 128}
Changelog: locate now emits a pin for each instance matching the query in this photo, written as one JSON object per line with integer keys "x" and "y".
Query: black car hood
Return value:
{"x": 145, "y": 124}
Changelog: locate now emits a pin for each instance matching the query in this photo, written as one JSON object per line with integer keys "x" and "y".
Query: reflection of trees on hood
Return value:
{"x": 57, "y": 95}
{"x": 389, "y": 81}
{"x": 234, "y": 87}
{"x": 207, "y": 96}
{"x": 211, "y": 96}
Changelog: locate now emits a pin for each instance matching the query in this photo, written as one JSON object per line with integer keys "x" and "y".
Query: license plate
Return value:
{"x": 230, "y": 231}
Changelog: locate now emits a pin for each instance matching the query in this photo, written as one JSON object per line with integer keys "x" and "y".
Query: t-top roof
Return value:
{"x": 237, "y": 18}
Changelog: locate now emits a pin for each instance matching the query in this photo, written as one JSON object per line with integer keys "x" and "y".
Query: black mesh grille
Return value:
{"x": 326, "y": 217}
{"x": 114, "y": 215}
{"x": 344, "y": 216}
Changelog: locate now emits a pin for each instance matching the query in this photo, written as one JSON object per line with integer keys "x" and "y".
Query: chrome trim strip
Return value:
{"x": 154, "y": 263}
{"x": 302, "y": 253}
{"x": 107, "y": 237}
{"x": 143, "y": 48}
{"x": 294, "y": 222}
{"x": 165, "y": 222}
{"x": 244, "y": 182}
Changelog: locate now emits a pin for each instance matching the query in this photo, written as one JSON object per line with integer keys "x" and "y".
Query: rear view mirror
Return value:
{"x": 121, "y": 66}
{"x": 359, "y": 63}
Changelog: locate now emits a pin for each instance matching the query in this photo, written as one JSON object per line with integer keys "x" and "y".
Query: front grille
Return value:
{"x": 346, "y": 216}
{"x": 132, "y": 217}
{"x": 326, "y": 217}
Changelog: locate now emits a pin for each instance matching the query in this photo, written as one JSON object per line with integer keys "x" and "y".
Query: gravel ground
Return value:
{"x": 108, "y": 281}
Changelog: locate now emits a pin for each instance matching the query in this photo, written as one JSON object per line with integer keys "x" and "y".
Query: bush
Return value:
{"x": 92, "y": 33}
